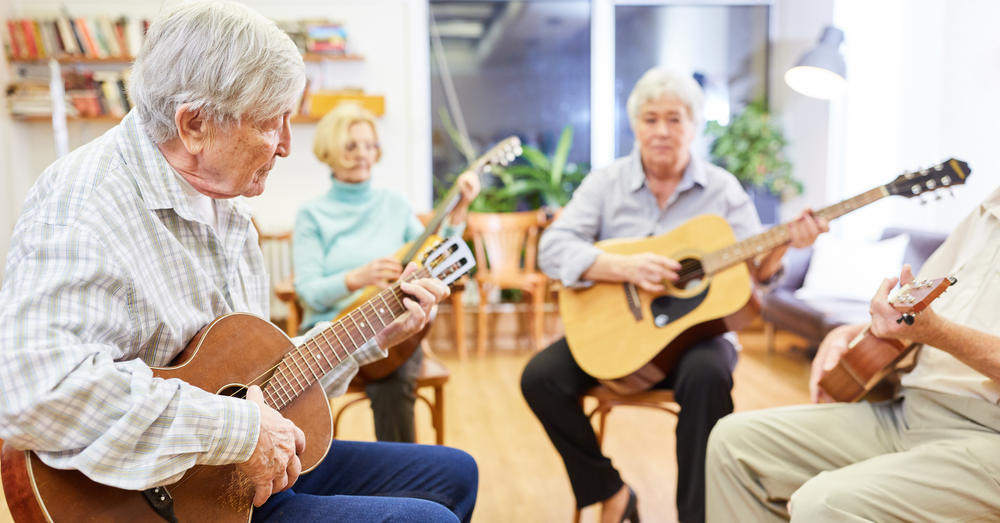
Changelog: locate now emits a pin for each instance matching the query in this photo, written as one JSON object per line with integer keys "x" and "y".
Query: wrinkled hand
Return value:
{"x": 830, "y": 351}
{"x": 274, "y": 465}
{"x": 378, "y": 272}
{"x": 648, "y": 271}
{"x": 428, "y": 293}
{"x": 468, "y": 185}
{"x": 884, "y": 316}
{"x": 806, "y": 228}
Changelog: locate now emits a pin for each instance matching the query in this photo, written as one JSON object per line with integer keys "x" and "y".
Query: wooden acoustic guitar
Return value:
{"x": 869, "y": 358}
{"x": 502, "y": 153}
{"x": 629, "y": 338}
{"x": 233, "y": 352}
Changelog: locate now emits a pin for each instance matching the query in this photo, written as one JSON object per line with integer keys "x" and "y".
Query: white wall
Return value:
{"x": 391, "y": 34}
{"x": 797, "y": 26}
{"x": 9, "y": 202}
{"x": 923, "y": 78}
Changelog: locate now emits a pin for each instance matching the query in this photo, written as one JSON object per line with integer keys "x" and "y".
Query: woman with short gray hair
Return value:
{"x": 130, "y": 245}
{"x": 656, "y": 188}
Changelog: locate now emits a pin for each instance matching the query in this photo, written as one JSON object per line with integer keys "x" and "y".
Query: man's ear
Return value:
{"x": 192, "y": 129}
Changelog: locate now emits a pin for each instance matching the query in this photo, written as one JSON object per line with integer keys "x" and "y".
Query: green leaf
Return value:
{"x": 561, "y": 154}
{"x": 536, "y": 158}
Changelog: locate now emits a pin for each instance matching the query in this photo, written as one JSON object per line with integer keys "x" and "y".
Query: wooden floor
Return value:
{"x": 522, "y": 478}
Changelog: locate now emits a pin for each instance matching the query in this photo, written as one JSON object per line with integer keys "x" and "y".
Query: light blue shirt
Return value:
{"x": 351, "y": 225}
{"x": 616, "y": 202}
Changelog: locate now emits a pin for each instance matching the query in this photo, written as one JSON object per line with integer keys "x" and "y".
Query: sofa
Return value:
{"x": 813, "y": 319}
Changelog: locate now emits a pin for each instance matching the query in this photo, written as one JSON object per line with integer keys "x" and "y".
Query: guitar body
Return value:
{"x": 401, "y": 352}
{"x": 622, "y": 343}
{"x": 233, "y": 350}
{"x": 863, "y": 366}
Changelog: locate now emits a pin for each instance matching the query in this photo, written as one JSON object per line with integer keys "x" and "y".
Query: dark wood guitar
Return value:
{"x": 502, "y": 153}
{"x": 629, "y": 338}
{"x": 233, "y": 352}
{"x": 869, "y": 358}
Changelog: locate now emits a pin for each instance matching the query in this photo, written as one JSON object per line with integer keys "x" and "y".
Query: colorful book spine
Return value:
{"x": 28, "y": 30}
{"x": 15, "y": 48}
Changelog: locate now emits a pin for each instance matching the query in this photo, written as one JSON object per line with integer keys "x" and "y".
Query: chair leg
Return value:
{"x": 576, "y": 515}
{"x": 769, "y": 337}
{"x": 458, "y": 308}
{"x": 538, "y": 304}
{"x": 438, "y": 414}
{"x": 481, "y": 330}
{"x": 602, "y": 418}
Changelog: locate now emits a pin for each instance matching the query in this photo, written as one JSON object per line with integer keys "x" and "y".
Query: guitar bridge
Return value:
{"x": 632, "y": 297}
{"x": 162, "y": 503}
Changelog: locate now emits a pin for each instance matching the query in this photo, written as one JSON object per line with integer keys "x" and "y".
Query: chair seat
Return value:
{"x": 655, "y": 396}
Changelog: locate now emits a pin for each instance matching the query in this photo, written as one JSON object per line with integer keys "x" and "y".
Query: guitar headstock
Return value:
{"x": 941, "y": 176}
{"x": 502, "y": 153}
{"x": 914, "y": 297}
{"x": 449, "y": 260}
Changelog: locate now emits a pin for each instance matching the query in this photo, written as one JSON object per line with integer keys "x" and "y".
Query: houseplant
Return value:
{"x": 751, "y": 147}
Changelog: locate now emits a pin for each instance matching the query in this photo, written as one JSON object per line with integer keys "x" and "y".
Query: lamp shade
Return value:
{"x": 821, "y": 73}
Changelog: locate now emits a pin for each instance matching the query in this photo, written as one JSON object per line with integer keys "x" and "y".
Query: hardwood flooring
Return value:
{"x": 522, "y": 478}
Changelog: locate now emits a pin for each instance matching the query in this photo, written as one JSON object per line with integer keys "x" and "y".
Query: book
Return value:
{"x": 66, "y": 34}
{"x": 28, "y": 32}
{"x": 36, "y": 33}
{"x": 85, "y": 49}
{"x": 83, "y": 29}
{"x": 326, "y": 38}
{"x": 15, "y": 48}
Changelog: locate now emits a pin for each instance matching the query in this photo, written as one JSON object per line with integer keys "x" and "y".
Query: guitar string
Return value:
{"x": 266, "y": 382}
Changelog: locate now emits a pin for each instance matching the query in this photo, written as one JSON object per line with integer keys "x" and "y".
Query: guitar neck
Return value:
{"x": 778, "y": 235}
{"x": 448, "y": 203}
{"x": 307, "y": 363}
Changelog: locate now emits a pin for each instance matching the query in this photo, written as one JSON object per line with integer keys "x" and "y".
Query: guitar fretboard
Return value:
{"x": 307, "y": 363}
{"x": 777, "y": 236}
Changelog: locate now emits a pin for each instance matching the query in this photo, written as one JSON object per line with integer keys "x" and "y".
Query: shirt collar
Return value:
{"x": 694, "y": 173}
{"x": 157, "y": 180}
{"x": 991, "y": 204}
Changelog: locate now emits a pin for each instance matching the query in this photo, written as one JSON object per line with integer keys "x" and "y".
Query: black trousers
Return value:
{"x": 393, "y": 398}
{"x": 702, "y": 380}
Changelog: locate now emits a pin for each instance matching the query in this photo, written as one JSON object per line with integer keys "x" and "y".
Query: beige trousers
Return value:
{"x": 926, "y": 457}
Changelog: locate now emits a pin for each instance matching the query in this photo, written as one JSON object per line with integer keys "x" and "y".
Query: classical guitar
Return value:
{"x": 502, "y": 153}
{"x": 629, "y": 338}
{"x": 233, "y": 352}
{"x": 869, "y": 358}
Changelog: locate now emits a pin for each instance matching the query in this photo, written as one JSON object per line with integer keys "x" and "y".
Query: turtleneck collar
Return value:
{"x": 351, "y": 192}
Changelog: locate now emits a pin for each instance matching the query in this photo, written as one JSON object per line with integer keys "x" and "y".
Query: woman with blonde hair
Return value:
{"x": 344, "y": 241}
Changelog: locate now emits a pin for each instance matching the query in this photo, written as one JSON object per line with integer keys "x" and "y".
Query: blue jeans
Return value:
{"x": 363, "y": 482}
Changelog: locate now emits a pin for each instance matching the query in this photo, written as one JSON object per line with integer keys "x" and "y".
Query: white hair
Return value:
{"x": 222, "y": 58}
{"x": 657, "y": 83}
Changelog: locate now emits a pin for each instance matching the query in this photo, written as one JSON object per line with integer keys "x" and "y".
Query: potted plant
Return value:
{"x": 751, "y": 147}
{"x": 535, "y": 181}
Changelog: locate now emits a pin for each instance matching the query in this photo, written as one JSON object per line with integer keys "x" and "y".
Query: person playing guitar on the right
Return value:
{"x": 928, "y": 455}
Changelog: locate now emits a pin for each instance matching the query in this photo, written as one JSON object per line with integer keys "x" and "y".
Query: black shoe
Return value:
{"x": 632, "y": 509}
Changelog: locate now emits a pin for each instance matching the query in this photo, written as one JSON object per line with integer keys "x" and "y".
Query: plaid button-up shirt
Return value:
{"x": 112, "y": 271}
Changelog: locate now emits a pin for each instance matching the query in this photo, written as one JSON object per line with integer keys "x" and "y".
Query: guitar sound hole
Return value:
{"x": 690, "y": 275}
{"x": 234, "y": 391}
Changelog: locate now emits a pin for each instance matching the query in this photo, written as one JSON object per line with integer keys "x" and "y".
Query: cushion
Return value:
{"x": 847, "y": 269}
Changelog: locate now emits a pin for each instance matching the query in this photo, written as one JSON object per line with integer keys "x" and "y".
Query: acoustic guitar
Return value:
{"x": 233, "y": 352}
{"x": 869, "y": 358}
{"x": 629, "y": 338}
{"x": 502, "y": 153}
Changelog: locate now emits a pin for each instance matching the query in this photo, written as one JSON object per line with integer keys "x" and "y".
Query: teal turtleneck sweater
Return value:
{"x": 348, "y": 227}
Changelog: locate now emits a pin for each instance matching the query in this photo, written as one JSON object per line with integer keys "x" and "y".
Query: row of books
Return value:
{"x": 317, "y": 36}
{"x": 89, "y": 94}
{"x": 100, "y": 37}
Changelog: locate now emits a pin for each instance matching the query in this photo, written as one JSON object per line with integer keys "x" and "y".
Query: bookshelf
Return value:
{"x": 72, "y": 60}
{"x": 115, "y": 119}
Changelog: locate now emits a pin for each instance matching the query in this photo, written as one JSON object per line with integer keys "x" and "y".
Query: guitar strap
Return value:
{"x": 162, "y": 503}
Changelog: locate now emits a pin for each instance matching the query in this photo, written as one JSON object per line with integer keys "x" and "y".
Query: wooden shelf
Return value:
{"x": 75, "y": 60}
{"x": 115, "y": 119}
{"x": 323, "y": 57}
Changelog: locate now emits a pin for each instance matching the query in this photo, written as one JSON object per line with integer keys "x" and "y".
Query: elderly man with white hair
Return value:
{"x": 131, "y": 244}
{"x": 656, "y": 188}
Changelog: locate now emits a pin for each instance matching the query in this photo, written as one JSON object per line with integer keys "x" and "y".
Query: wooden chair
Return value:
{"x": 608, "y": 399}
{"x": 433, "y": 374}
{"x": 506, "y": 246}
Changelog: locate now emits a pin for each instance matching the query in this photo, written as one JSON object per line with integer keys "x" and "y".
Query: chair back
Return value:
{"x": 506, "y": 243}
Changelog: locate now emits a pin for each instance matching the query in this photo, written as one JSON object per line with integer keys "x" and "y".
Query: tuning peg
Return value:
{"x": 952, "y": 193}
{"x": 921, "y": 198}
{"x": 937, "y": 195}
{"x": 518, "y": 150}
{"x": 908, "y": 318}
{"x": 510, "y": 157}
{"x": 488, "y": 168}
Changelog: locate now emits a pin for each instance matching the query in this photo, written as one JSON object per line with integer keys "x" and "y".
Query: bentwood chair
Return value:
{"x": 608, "y": 399}
{"x": 506, "y": 247}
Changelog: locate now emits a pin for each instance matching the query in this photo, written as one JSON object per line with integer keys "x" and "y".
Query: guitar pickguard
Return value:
{"x": 667, "y": 308}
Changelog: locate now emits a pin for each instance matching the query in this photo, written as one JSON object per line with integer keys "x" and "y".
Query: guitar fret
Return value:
{"x": 306, "y": 360}
{"x": 371, "y": 326}
{"x": 376, "y": 314}
{"x": 282, "y": 370}
{"x": 341, "y": 342}
{"x": 323, "y": 353}
{"x": 348, "y": 332}
{"x": 387, "y": 307}
{"x": 299, "y": 381}
{"x": 318, "y": 355}
{"x": 279, "y": 389}
{"x": 360, "y": 333}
